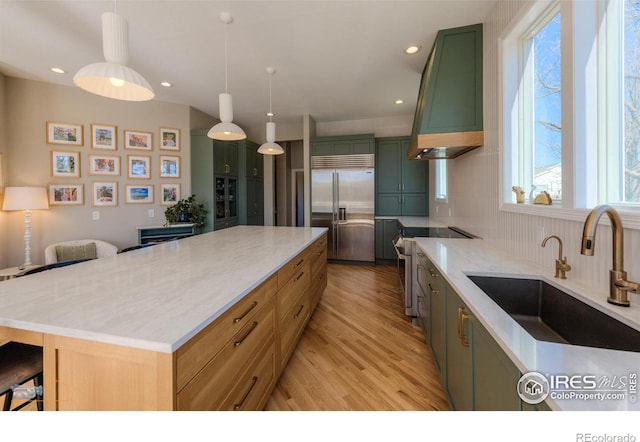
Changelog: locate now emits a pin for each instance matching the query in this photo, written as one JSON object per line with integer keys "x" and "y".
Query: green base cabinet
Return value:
{"x": 401, "y": 184}
{"x": 474, "y": 370}
{"x": 386, "y": 232}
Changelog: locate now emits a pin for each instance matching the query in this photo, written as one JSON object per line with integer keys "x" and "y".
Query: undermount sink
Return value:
{"x": 549, "y": 314}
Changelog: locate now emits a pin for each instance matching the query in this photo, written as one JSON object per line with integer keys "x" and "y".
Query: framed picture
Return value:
{"x": 65, "y": 164}
{"x": 1, "y": 178}
{"x": 64, "y": 133}
{"x": 169, "y": 138}
{"x": 66, "y": 194}
{"x": 105, "y": 193}
{"x": 169, "y": 166}
{"x": 104, "y": 165}
{"x": 138, "y": 194}
{"x": 139, "y": 166}
{"x": 103, "y": 136}
{"x": 138, "y": 140}
{"x": 170, "y": 194}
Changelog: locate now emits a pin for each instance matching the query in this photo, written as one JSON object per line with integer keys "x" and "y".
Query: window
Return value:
{"x": 539, "y": 157}
{"x": 571, "y": 107}
{"x": 441, "y": 180}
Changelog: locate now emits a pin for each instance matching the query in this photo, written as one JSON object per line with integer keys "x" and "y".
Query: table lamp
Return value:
{"x": 27, "y": 199}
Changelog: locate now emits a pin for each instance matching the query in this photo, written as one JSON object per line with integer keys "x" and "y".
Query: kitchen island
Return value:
{"x": 154, "y": 328}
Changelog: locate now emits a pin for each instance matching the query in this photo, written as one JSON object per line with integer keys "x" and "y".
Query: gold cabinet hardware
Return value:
{"x": 246, "y": 335}
{"x": 433, "y": 272}
{"x": 238, "y": 406}
{"x": 433, "y": 291}
{"x": 241, "y": 317}
{"x": 462, "y": 317}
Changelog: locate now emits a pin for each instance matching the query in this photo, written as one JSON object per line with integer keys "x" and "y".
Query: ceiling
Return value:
{"x": 335, "y": 60}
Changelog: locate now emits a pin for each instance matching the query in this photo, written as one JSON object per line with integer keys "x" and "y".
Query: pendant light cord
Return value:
{"x": 270, "y": 111}
{"x": 226, "y": 68}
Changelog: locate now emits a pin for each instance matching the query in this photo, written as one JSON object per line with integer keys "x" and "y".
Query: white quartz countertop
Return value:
{"x": 456, "y": 258}
{"x": 154, "y": 298}
{"x": 415, "y": 221}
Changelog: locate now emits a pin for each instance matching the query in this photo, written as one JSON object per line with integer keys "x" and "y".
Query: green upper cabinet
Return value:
{"x": 401, "y": 184}
{"x": 448, "y": 116}
{"x": 254, "y": 161}
{"x": 225, "y": 157}
{"x": 343, "y": 145}
{"x": 202, "y": 182}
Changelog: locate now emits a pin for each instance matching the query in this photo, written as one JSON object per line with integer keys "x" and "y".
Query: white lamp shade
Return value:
{"x": 25, "y": 198}
{"x": 226, "y": 130}
{"x": 114, "y": 79}
{"x": 271, "y": 147}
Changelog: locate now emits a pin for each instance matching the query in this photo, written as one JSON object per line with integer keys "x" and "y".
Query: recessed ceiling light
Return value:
{"x": 399, "y": 101}
{"x": 166, "y": 84}
{"x": 414, "y": 49}
{"x": 57, "y": 70}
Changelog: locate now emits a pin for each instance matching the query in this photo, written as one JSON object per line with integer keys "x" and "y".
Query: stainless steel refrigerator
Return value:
{"x": 342, "y": 199}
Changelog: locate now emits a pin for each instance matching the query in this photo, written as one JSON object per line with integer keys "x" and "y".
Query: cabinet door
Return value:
{"x": 459, "y": 365}
{"x": 424, "y": 306}
{"x": 219, "y": 162}
{"x": 390, "y": 233}
{"x": 231, "y": 157}
{"x": 389, "y": 204}
{"x": 414, "y": 204}
{"x": 202, "y": 181}
{"x": 388, "y": 169}
{"x": 496, "y": 377}
{"x": 322, "y": 148}
{"x": 437, "y": 330}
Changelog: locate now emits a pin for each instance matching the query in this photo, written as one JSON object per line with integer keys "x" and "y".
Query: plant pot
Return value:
{"x": 183, "y": 217}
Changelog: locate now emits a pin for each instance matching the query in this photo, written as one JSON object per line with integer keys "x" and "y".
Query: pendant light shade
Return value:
{"x": 270, "y": 147}
{"x": 113, "y": 78}
{"x": 226, "y": 130}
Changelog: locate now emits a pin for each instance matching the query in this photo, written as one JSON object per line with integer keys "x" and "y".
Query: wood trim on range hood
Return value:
{"x": 448, "y": 118}
{"x": 444, "y": 146}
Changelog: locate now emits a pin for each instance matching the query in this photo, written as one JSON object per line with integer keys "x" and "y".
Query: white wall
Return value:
{"x": 29, "y": 106}
{"x": 474, "y": 194}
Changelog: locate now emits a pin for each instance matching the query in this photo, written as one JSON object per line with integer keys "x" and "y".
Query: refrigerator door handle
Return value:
{"x": 334, "y": 214}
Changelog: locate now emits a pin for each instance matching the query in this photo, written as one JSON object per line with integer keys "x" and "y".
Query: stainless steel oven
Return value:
{"x": 405, "y": 246}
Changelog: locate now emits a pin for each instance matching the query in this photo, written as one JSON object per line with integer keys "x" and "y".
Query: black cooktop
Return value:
{"x": 434, "y": 232}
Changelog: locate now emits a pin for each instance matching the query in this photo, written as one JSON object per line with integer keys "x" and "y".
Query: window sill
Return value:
{"x": 630, "y": 217}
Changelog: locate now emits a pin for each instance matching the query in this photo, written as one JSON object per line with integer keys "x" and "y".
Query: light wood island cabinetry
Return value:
{"x": 231, "y": 362}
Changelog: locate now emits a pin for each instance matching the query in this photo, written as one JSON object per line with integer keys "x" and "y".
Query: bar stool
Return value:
{"x": 20, "y": 363}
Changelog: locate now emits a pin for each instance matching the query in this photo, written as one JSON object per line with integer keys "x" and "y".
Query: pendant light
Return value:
{"x": 226, "y": 130}
{"x": 270, "y": 147}
{"x": 112, "y": 78}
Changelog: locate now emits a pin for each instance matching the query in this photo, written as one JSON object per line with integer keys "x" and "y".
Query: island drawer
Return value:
{"x": 208, "y": 389}
{"x": 319, "y": 245}
{"x": 292, "y": 326}
{"x": 318, "y": 284}
{"x": 292, "y": 267}
{"x": 291, "y": 292}
{"x": 192, "y": 356}
{"x": 253, "y": 389}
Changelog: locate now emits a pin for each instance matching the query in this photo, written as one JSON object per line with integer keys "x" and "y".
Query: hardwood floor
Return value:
{"x": 359, "y": 351}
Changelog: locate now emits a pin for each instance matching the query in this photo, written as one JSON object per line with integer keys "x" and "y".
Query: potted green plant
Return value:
{"x": 187, "y": 210}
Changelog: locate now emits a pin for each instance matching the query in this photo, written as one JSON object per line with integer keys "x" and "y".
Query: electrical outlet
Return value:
{"x": 152, "y": 213}
{"x": 95, "y": 215}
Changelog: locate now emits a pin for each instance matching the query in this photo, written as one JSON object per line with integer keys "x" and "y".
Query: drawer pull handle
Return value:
{"x": 246, "y": 335}
{"x": 298, "y": 277}
{"x": 298, "y": 264}
{"x": 433, "y": 291}
{"x": 299, "y": 311}
{"x": 432, "y": 272}
{"x": 239, "y": 405}
{"x": 241, "y": 317}
{"x": 464, "y": 339}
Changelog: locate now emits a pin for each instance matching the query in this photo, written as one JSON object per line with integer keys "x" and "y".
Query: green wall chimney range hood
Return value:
{"x": 448, "y": 118}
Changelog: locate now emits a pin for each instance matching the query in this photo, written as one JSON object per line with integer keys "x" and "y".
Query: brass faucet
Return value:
{"x": 618, "y": 284}
{"x": 561, "y": 263}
